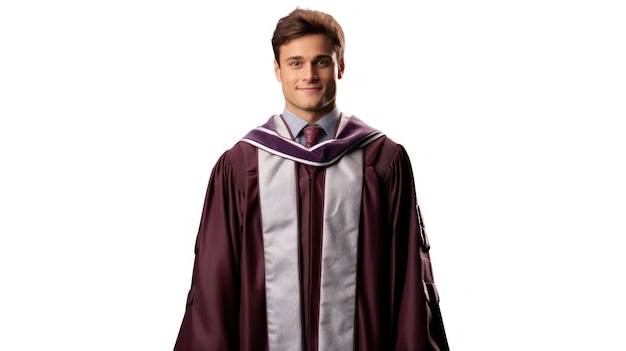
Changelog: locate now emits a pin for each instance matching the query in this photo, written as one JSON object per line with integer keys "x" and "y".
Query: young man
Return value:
{"x": 312, "y": 244}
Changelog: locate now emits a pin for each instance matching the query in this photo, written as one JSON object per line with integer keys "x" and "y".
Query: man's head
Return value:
{"x": 303, "y": 21}
{"x": 308, "y": 51}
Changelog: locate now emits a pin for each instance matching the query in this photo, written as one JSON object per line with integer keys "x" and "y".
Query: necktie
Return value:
{"x": 311, "y": 134}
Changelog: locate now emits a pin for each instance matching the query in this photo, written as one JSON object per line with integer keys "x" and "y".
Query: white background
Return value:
{"x": 109, "y": 112}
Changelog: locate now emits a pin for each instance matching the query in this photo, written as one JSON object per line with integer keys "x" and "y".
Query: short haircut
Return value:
{"x": 304, "y": 21}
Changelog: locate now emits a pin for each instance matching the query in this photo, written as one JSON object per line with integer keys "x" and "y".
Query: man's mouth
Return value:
{"x": 310, "y": 89}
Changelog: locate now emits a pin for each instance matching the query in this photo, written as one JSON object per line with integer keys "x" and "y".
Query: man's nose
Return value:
{"x": 310, "y": 74}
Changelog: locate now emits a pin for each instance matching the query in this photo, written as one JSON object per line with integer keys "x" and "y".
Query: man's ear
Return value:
{"x": 277, "y": 70}
{"x": 340, "y": 70}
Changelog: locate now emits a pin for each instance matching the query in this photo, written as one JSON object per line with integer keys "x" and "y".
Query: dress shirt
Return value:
{"x": 296, "y": 125}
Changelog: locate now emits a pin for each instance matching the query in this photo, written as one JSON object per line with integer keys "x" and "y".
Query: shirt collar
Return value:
{"x": 328, "y": 122}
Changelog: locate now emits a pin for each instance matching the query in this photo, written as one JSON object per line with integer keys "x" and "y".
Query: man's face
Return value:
{"x": 308, "y": 72}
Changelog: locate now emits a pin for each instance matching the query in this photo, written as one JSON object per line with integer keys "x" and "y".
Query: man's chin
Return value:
{"x": 315, "y": 105}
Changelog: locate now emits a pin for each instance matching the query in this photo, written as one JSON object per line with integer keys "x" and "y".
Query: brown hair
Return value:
{"x": 303, "y": 21}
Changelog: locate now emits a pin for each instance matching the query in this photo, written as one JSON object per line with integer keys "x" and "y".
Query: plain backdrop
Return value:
{"x": 113, "y": 114}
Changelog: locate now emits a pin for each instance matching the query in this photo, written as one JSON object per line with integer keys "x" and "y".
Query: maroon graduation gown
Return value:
{"x": 318, "y": 249}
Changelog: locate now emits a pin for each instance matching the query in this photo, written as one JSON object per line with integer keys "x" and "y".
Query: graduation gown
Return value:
{"x": 312, "y": 249}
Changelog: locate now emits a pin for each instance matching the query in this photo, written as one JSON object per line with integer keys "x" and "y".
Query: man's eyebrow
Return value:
{"x": 300, "y": 57}
{"x": 293, "y": 58}
{"x": 323, "y": 56}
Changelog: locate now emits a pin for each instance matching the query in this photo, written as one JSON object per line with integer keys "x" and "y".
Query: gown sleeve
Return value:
{"x": 211, "y": 317}
{"x": 416, "y": 314}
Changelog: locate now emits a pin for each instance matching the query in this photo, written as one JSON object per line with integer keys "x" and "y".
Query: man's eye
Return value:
{"x": 295, "y": 63}
{"x": 322, "y": 63}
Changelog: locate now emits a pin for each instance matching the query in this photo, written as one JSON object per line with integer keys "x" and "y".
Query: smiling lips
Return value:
{"x": 310, "y": 89}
